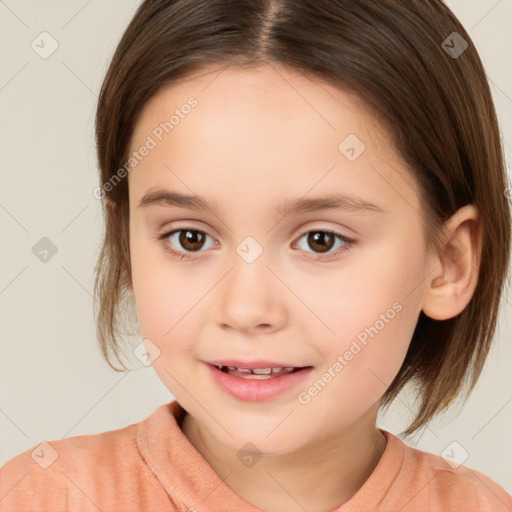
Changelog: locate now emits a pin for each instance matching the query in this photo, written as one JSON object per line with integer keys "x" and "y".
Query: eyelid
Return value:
{"x": 308, "y": 229}
{"x": 310, "y": 226}
{"x": 349, "y": 242}
{"x": 169, "y": 232}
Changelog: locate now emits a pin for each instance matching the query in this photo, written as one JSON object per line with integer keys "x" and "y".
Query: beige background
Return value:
{"x": 53, "y": 381}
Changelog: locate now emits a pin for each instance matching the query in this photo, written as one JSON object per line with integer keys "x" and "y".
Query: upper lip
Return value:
{"x": 253, "y": 364}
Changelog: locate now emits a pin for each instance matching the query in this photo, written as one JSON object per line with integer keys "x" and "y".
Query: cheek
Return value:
{"x": 165, "y": 309}
{"x": 161, "y": 293}
{"x": 371, "y": 310}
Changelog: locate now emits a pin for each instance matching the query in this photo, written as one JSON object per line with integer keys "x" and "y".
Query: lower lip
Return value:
{"x": 257, "y": 390}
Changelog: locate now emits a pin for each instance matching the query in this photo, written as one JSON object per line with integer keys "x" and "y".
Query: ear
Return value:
{"x": 453, "y": 280}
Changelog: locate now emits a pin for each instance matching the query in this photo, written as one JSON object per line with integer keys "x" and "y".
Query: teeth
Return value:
{"x": 254, "y": 376}
{"x": 235, "y": 369}
{"x": 257, "y": 371}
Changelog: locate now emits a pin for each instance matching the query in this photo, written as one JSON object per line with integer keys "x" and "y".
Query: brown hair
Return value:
{"x": 402, "y": 58}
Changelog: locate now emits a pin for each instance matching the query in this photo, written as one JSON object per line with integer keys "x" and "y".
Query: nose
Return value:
{"x": 251, "y": 298}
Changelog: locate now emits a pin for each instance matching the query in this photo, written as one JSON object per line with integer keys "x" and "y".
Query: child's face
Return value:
{"x": 255, "y": 139}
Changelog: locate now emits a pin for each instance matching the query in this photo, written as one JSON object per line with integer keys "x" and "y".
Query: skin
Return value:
{"x": 257, "y": 137}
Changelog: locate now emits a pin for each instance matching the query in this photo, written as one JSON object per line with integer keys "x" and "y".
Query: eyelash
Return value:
{"x": 349, "y": 243}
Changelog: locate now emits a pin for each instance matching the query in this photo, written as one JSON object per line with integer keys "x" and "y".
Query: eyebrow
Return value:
{"x": 292, "y": 206}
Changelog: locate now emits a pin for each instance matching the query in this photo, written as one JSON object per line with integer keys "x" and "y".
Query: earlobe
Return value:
{"x": 454, "y": 272}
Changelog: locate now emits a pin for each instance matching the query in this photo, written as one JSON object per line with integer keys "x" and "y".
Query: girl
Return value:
{"x": 306, "y": 203}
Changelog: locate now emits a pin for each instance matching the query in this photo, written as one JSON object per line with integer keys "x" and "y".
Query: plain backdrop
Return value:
{"x": 53, "y": 380}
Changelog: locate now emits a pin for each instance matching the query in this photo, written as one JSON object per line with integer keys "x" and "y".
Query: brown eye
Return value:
{"x": 183, "y": 241}
{"x": 321, "y": 241}
{"x": 191, "y": 240}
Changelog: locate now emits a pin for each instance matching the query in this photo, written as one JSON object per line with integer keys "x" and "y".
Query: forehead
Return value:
{"x": 270, "y": 130}
{"x": 239, "y": 92}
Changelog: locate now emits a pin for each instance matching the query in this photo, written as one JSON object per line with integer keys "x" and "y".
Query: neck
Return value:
{"x": 317, "y": 477}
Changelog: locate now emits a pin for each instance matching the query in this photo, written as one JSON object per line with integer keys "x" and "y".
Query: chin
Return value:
{"x": 252, "y": 441}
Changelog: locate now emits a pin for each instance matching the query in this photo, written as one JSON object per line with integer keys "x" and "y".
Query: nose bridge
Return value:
{"x": 249, "y": 294}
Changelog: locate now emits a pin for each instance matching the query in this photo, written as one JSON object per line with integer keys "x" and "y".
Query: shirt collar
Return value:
{"x": 192, "y": 483}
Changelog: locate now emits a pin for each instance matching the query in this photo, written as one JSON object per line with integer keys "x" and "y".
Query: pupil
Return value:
{"x": 190, "y": 237}
{"x": 320, "y": 236}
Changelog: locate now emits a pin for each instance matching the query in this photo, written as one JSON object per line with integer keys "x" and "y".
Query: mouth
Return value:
{"x": 257, "y": 381}
{"x": 257, "y": 369}
{"x": 269, "y": 372}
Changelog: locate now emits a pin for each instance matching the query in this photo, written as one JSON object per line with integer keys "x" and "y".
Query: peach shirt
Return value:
{"x": 151, "y": 465}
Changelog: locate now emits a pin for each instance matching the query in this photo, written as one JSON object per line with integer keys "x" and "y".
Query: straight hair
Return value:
{"x": 408, "y": 61}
